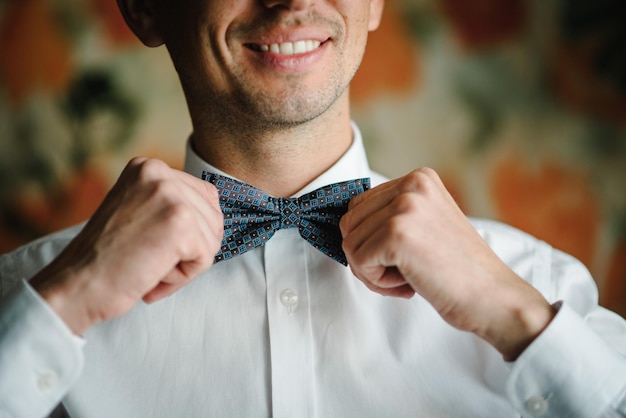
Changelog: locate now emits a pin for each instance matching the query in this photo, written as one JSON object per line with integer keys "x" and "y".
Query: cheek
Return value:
{"x": 358, "y": 23}
{"x": 358, "y": 38}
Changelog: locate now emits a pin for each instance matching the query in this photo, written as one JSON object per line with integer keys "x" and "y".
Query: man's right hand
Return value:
{"x": 156, "y": 230}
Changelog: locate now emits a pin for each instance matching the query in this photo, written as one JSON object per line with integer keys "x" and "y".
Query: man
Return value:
{"x": 283, "y": 330}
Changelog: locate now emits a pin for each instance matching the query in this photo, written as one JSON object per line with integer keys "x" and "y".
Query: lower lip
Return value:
{"x": 289, "y": 63}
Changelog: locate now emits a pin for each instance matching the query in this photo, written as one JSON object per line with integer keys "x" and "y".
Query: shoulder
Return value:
{"x": 28, "y": 259}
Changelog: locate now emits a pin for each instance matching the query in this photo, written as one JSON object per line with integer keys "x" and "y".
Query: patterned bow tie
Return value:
{"x": 251, "y": 217}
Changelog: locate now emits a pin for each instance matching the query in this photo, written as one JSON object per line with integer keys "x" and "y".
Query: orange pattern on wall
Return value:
{"x": 116, "y": 29}
{"x": 572, "y": 76}
{"x": 485, "y": 23}
{"x": 70, "y": 203}
{"x": 391, "y": 60}
{"x": 551, "y": 202}
{"x": 614, "y": 292}
{"x": 35, "y": 54}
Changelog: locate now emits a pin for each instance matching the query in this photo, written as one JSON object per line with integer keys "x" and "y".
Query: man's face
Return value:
{"x": 277, "y": 62}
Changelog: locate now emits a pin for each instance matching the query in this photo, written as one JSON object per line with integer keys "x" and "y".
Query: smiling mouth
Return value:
{"x": 287, "y": 48}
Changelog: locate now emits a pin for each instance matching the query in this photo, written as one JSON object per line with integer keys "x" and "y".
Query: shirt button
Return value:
{"x": 47, "y": 380}
{"x": 289, "y": 299}
{"x": 537, "y": 405}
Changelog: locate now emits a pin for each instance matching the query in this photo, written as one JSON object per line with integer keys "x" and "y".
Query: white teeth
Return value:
{"x": 291, "y": 48}
{"x": 299, "y": 47}
{"x": 286, "y": 48}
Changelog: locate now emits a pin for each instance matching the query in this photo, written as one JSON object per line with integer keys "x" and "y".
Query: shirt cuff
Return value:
{"x": 40, "y": 357}
{"x": 567, "y": 371}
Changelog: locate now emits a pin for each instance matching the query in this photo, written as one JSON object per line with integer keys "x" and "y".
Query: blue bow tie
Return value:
{"x": 251, "y": 217}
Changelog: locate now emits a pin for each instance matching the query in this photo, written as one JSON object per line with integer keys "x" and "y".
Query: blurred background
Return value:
{"x": 519, "y": 104}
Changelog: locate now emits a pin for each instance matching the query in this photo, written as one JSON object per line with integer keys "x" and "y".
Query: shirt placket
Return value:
{"x": 289, "y": 325}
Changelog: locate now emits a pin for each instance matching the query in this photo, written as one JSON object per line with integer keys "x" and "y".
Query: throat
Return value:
{"x": 279, "y": 166}
{"x": 279, "y": 171}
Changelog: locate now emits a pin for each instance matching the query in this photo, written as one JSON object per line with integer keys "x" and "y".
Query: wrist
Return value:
{"x": 60, "y": 288}
{"x": 518, "y": 324}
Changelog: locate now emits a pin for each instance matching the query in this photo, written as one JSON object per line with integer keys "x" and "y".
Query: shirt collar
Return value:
{"x": 352, "y": 165}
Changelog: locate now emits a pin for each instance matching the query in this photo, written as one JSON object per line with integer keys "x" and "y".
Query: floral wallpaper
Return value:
{"x": 520, "y": 105}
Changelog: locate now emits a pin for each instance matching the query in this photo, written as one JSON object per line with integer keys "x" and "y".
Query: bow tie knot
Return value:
{"x": 251, "y": 217}
{"x": 290, "y": 211}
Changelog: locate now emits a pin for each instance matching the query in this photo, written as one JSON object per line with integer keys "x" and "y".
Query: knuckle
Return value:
{"x": 398, "y": 233}
{"x": 348, "y": 245}
{"x": 422, "y": 180}
{"x": 407, "y": 202}
{"x": 162, "y": 192}
{"x": 392, "y": 255}
{"x": 136, "y": 161}
{"x": 177, "y": 215}
{"x": 356, "y": 200}
{"x": 133, "y": 167}
{"x": 428, "y": 172}
{"x": 216, "y": 242}
{"x": 150, "y": 169}
{"x": 209, "y": 189}
{"x": 345, "y": 221}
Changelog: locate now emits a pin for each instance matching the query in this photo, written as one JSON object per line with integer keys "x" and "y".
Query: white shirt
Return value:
{"x": 285, "y": 331}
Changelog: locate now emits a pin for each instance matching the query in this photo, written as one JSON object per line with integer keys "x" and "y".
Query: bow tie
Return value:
{"x": 251, "y": 217}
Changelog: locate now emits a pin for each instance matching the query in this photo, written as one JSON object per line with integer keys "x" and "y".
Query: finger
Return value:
{"x": 200, "y": 193}
{"x": 207, "y": 190}
{"x": 441, "y": 187}
{"x": 409, "y": 182}
{"x": 176, "y": 279}
{"x": 198, "y": 234}
{"x": 385, "y": 218}
{"x": 362, "y": 206}
{"x": 181, "y": 275}
{"x": 388, "y": 245}
{"x": 150, "y": 170}
{"x": 357, "y": 200}
{"x": 382, "y": 276}
{"x": 161, "y": 291}
{"x": 208, "y": 217}
{"x": 423, "y": 181}
{"x": 403, "y": 290}
{"x": 418, "y": 181}
{"x": 366, "y": 250}
{"x": 202, "y": 199}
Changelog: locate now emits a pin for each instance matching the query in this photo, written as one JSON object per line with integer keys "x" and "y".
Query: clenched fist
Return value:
{"x": 156, "y": 230}
{"x": 409, "y": 235}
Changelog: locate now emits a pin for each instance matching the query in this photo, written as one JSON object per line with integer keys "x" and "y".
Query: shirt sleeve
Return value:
{"x": 40, "y": 358}
{"x": 577, "y": 366}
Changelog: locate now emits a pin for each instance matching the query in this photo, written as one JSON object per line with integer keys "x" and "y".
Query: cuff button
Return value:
{"x": 537, "y": 405}
{"x": 47, "y": 380}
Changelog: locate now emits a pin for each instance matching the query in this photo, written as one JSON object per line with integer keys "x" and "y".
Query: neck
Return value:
{"x": 279, "y": 161}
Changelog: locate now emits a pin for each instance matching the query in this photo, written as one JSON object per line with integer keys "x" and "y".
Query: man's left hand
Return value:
{"x": 409, "y": 236}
